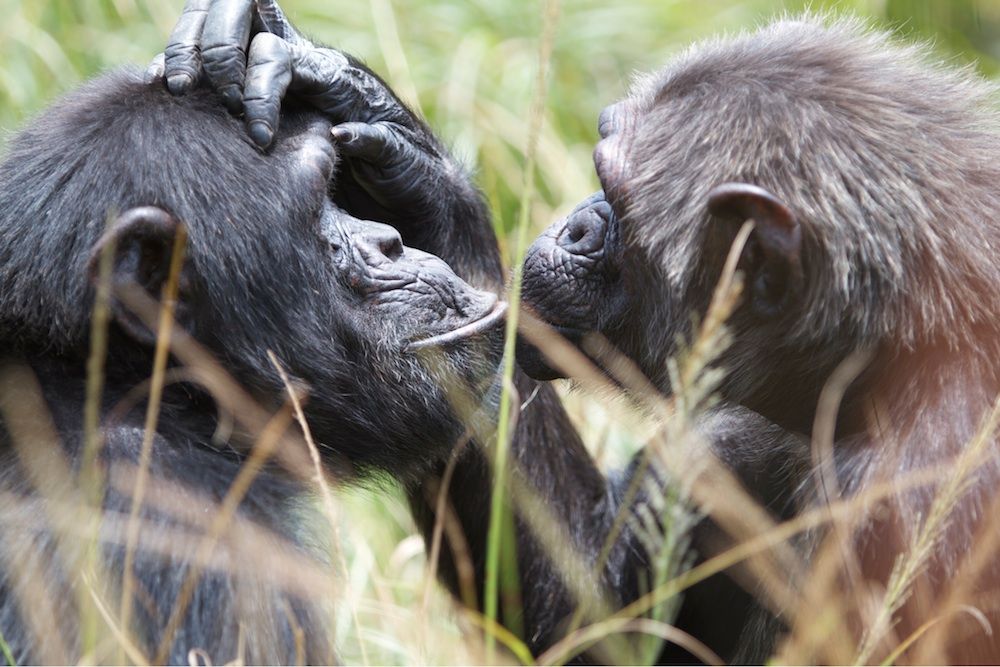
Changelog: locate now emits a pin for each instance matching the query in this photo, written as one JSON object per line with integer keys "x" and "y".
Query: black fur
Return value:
{"x": 271, "y": 264}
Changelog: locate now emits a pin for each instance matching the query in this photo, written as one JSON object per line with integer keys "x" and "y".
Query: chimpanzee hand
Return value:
{"x": 252, "y": 56}
{"x": 213, "y": 36}
{"x": 397, "y": 171}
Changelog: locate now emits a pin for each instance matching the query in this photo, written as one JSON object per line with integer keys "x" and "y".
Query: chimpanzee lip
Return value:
{"x": 474, "y": 328}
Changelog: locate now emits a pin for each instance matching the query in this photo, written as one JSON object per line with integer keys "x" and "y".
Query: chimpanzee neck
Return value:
{"x": 938, "y": 388}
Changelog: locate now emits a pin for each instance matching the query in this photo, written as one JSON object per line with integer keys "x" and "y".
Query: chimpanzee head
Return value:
{"x": 380, "y": 332}
{"x": 869, "y": 174}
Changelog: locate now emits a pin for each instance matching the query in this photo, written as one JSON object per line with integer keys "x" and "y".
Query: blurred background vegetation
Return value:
{"x": 469, "y": 65}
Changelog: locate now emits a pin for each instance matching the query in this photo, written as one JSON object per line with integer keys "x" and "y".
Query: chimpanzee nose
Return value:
{"x": 584, "y": 231}
{"x": 379, "y": 241}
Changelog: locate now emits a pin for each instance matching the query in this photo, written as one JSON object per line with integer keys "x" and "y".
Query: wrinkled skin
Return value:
{"x": 574, "y": 265}
{"x": 404, "y": 285}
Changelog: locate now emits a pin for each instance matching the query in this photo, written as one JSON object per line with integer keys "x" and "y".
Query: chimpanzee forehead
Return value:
{"x": 190, "y": 155}
{"x": 138, "y": 145}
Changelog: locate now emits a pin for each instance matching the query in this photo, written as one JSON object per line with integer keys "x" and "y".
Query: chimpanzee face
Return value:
{"x": 410, "y": 299}
{"x": 573, "y": 271}
{"x": 392, "y": 296}
{"x": 635, "y": 261}
{"x": 429, "y": 304}
{"x": 572, "y": 278}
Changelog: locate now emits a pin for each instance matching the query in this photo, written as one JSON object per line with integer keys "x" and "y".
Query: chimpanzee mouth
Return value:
{"x": 491, "y": 319}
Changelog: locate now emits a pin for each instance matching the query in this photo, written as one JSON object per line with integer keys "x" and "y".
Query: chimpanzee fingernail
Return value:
{"x": 342, "y": 135}
{"x": 261, "y": 133}
{"x": 178, "y": 84}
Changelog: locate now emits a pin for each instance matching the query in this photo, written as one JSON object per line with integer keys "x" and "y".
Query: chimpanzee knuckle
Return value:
{"x": 266, "y": 46}
{"x": 318, "y": 71}
{"x": 225, "y": 66}
{"x": 371, "y": 144}
{"x": 390, "y": 148}
{"x": 404, "y": 152}
{"x": 182, "y": 58}
{"x": 182, "y": 61}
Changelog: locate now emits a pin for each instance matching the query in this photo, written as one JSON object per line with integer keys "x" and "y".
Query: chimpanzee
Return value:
{"x": 385, "y": 337}
{"x": 253, "y": 56}
{"x": 872, "y": 177}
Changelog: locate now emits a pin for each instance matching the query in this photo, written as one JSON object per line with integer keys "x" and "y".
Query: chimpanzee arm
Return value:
{"x": 726, "y": 615}
{"x": 396, "y": 169}
{"x": 581, "y": 508}
{"x": 551, "y": 469}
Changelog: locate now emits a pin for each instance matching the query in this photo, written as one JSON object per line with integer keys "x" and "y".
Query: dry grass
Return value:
{"x": 388, "y": 609}
{"x": 388, "y": 606}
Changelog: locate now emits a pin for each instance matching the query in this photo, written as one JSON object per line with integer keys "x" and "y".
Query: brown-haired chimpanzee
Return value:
{"x": 383, "y": 335}
{"x": 872, "y": 177}
{"x": 254, "y": 57}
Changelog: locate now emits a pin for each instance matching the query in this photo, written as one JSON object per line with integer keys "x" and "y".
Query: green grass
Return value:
{"x": 471, "y": 67}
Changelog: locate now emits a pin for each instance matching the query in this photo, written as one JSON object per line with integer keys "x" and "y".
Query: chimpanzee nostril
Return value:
{"x": 391, "y": 245}
{"x": 381, "y": 239}
{"x": 584, "y": 232}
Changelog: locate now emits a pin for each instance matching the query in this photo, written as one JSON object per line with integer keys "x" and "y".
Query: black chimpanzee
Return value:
{"x": 384, "y": 336}
{"x": 271, "y": 264}
{"x": 250, "y": 53}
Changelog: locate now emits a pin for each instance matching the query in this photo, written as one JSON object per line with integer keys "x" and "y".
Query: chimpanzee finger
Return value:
{"x": 269, "y": 72}
{"x": 393, "y": 166}
{"x": 155, "y": 70}
{"x": 372, "y": 143}
{"x": 343, "y": 89}
{"x": 224, "y": 48}
{"x": 182, "y": 57}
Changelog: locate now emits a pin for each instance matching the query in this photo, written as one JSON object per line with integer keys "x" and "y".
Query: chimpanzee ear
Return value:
{"x": 141, "y": 242}
{"x": 772, "y": 256}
